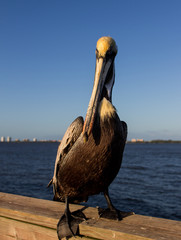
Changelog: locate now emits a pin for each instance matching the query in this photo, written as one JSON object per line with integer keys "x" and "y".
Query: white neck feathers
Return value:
{"x": 106, "y": 109}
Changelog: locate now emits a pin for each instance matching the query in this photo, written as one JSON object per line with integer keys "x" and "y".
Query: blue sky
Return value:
{"x": 47, "y": 63}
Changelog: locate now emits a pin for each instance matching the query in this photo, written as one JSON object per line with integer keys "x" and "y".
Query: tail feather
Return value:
{"x": 50, "y": 183}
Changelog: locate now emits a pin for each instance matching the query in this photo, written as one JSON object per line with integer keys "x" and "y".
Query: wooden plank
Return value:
{"x": 41, "y": 207}
{"x": 36, "y": 217}
{"x": 13, "y": 229}
{"x": 29, "y": 218}
{"x": 107, "y": 234}
{"x": 21, "y": 230}
{"x": 146, "y": 228}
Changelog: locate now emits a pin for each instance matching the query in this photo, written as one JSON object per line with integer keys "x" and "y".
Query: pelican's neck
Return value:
{"x": 106, "y": 109}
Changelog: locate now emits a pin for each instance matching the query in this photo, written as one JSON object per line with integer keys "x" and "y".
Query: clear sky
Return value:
{"x": 47, "y": 63}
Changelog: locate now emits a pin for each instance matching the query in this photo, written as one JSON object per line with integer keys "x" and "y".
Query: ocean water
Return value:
{"x": 149, "y": 182}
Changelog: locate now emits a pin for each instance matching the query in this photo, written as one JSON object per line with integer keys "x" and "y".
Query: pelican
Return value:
{"x": 90, "y": 153}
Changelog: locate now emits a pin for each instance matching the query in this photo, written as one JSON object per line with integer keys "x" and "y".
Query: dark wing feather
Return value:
{"x": 70, "y": 137}
{"x": 125, "y": 130}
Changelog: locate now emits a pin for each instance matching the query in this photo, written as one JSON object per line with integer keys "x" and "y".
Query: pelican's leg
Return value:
{"x": 64, "y": 226}
{"x": 69, "y": 222}
{"x": 111, "y": 212}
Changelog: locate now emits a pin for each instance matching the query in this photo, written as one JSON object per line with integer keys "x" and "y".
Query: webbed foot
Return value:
{"x": 113, "y": 214}
{"x": 68, "y": 224}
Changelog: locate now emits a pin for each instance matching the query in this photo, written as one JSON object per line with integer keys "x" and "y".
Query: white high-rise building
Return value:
{"x": 8, "y": 139}
{"x": 3, "y": 139}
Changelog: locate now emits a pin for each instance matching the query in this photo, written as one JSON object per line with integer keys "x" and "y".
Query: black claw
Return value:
{"x": 125, "y": 214}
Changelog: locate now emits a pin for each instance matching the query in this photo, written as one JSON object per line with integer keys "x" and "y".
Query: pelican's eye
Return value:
{"x": 110, "y": 54}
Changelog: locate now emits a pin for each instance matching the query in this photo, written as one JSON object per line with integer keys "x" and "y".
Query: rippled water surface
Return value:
{"x": 149, "y": 182}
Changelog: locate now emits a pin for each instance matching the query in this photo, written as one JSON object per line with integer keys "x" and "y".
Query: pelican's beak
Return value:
{"x": 103, "y": 81}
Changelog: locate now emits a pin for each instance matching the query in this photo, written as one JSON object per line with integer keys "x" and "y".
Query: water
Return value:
{"x": 149, "y": 182}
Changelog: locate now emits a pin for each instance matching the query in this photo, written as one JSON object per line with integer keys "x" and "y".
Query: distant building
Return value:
{"x": 140, "y": 140}
{"x": 8, "y": 139}
{"x": 3, "y": 139}
{"x": 34, "y": 139}
{"x": 133, "y": 140}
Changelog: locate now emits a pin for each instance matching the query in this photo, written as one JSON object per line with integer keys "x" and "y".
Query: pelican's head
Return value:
{"x": 105, "y": 45}
{"x": 106, "y": 51}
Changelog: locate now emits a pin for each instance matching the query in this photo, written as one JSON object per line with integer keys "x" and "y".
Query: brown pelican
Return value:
{"x": 90, "y": 154}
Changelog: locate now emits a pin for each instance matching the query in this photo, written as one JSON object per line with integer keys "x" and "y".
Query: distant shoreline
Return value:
{"x": 155, "y": 141}
{"x": 41, "y": 141}
{"x": 129, "y": 142}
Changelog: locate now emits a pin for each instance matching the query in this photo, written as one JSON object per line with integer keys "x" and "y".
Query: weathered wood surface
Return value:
{"x": 34, "y": 219}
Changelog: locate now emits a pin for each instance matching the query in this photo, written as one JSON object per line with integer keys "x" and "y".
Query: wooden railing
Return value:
{"x": 36, "y": 219}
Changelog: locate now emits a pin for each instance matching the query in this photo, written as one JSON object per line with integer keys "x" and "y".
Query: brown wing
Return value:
{"x": 124, "y": 130}
{"x": 71, "y": 135}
